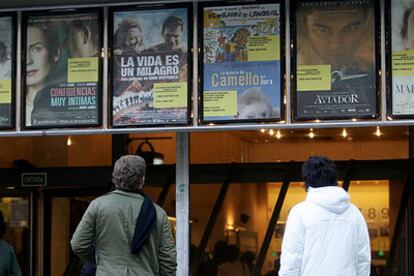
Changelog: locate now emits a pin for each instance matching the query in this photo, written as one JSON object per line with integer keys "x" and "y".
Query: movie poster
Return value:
{"x": 336, "y": 60}
{"x": 402, "y": 70}
{"x": 241, "y": 63}
{"x": 6, "y": 71}
{"x": 150, "y": 83}
{"x": 62, "y": 70}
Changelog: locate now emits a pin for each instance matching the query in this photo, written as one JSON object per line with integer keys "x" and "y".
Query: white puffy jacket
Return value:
{"x": 325, "y": 235}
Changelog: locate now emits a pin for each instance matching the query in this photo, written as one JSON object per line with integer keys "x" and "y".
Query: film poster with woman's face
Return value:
{"x": 402, "y": 61}
{"x": 241, "y": 63}
{"x": 6, "y": 71}
{"x": 150, "y": 83}
{"x": 62, "y": 70}
{"x": 335, "y": 62}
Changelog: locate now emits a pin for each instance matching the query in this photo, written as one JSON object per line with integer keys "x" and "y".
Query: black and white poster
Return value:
{"x": 150, "y": 66}
{"x": 335, "y": 60}
{"x": 62, "y": 69}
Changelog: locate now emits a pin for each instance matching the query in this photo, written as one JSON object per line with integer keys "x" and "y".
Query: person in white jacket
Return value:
{"x": 325, "y": 235}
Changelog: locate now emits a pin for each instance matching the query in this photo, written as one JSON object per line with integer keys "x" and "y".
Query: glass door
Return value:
{"x": 63, "y": 211}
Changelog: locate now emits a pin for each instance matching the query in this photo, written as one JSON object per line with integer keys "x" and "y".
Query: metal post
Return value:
{"x": 18, "y": 112}
{"x": 182, "y": 203}
{"x": 104, "y": 95}
{"x": 288, "y": 73}
{"x": 273, "y": 220}
{"x": 383, "y": 110}
{"x": 195, "y": 63}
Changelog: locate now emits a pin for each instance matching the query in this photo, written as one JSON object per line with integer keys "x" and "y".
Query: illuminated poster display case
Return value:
{"x": 151, "y": 65}
{"x": 335, "y": 59}
{"x": 241, "y": 62}
{"x": 62, "y": 68}
{"x": 7, "y": 69}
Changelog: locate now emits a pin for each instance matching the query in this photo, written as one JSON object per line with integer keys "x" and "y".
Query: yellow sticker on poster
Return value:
{"x": 220, "y": 103}
{"x": 170, "y": 95}
{"x": 314, "y": 77}
{"x": 83, "y": 69}
{"x": 403, "y": 63}
{"x": 5, "y": 91}
{"x": 263, "y": 48}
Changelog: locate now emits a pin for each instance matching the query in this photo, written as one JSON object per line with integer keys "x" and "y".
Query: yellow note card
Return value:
{"x": 314, "y": 77}
{"x": 83, "y": 69}
{"x": 263, "y": 48}
{"x": 5, "y": 91}
{"x": 220, "y": 103}
{"x": 403, "y": 63}
{"x": 170, "y": 95}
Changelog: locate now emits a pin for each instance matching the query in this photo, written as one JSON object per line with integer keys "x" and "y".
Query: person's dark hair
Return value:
{"x": 3, "y": 51}
{"x": 319, "y": 171}
{"x": 129, "y": 173}
{"x": 233, "y": 253}
{"x": 173, "y": 22}
{"x": 51, "y": 35}
{"x": 219, "y": 252}
{"x": 88, "y": 27}
{"x": 2, "y": 225}
{"x": 404, "y": 29}
{"x": 122, "y": 32}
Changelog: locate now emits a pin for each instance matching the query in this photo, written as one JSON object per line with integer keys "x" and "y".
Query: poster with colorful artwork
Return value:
{"x": 242, "y": 79}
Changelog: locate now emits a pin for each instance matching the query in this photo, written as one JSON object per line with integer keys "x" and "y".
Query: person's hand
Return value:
{"x": 135, "y": 86}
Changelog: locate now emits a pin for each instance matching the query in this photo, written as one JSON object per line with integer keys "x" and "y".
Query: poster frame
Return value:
{"x": 282, "y": 73}
{"x": 62, "y": 12}
{"x": 293, "y": 63}
{"x": 148, "y": 7}
{"x": 388, "y": 64}
{"x": 13, "y": 51}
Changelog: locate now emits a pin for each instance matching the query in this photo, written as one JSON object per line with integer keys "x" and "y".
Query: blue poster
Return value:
{"x": 241, "y": 63}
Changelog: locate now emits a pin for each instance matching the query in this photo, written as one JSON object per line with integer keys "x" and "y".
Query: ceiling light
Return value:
{"x": 278, "y": 134}
{"x": 311, "y": 134}
{"x": 69, "y": 141}
{"x": 378, "y": 132}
